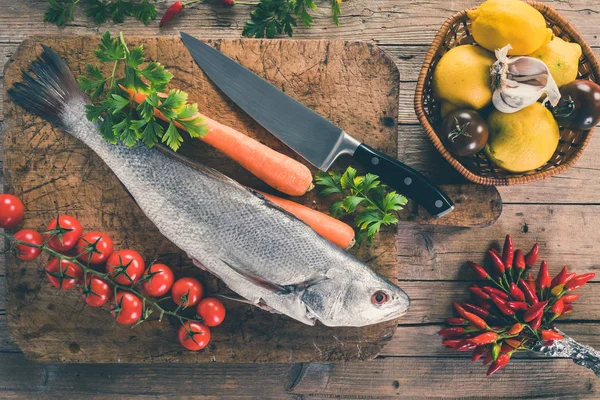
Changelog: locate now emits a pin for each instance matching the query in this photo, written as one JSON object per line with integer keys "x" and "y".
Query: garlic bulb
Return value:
{"x": 519, "y": 82}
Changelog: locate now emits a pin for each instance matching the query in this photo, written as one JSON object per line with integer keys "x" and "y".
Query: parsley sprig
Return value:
{"x": 62, "y": 11}
{"x": 365, "y": 197}
{"x": 119, "y": 116}
{"x": 274, "y": 17}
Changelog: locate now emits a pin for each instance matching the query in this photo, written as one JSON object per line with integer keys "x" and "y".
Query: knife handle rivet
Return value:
{"x": 374, "y": 160}
{"x": 407, "y": 181}
{"x": 438, "y": 203}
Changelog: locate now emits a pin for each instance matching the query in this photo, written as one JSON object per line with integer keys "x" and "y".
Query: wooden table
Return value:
{"x": 561, "y": 213}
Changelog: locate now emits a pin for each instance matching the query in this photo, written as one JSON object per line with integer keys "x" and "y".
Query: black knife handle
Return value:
{"x": 405, "y": 180}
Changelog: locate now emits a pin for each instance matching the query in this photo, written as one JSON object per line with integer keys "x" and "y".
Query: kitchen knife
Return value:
{"x": 313, "y": 137}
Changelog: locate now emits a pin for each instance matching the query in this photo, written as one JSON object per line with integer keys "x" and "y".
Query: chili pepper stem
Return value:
{"x": 87, "y": 270}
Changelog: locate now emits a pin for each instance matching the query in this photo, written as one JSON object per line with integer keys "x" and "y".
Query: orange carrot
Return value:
{"x": 334, "y": 230}
{"x": 277, "y": 170}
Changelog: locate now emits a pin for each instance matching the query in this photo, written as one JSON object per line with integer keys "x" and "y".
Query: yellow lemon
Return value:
{"x": 462, "y": 77}
{"x": 562, "y": 59}
{"x": 497, "y": 23}
{"x": 524, "y": 140}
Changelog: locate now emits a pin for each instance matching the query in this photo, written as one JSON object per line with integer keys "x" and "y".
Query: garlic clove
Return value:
{"x": 519, "y": 82}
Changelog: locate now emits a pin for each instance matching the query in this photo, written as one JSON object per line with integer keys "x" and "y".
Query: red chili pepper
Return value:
{"x": 579, "y": 281}
{"x": 484, "y": 338}
{"x": 456, "y": 321}
{"x": 228, "y": 2}
{"x": 479, "y": 271}
{"x": 551, "y": 335}
{"x": 454, "y": 331}
{"x": 472, "y": 318}
{"x": 570, "y": 276}
{"x": 516, "y": 293}
{"x": 171, "y": 12}
{"x": 532, "y": 256}
{"x": 508, "y": 252}
{"x": 516, "y": 329}
{"x": 478, "y": 353}
{"x": 535, "y": 324}
{"x": 480, "y": 311}
{"x": 497, "y": 365}
{"x": 531, "y": 282}
{"x": 518, "y": 305}
{"x": 543, "y": 279}
{"x": 560, "y": 278}
{"x": 483, "y": 304}
{"x": 476, "y": 290}
{"x": 496, "y": 261}
{"x": 506, "y": 348}
{"x": 519, "y": 259}
{"x": 500, "y": 293}
{"x": 466, "y": 347}
{"x": 488, "y": 358}
{"x": 453, "y": 343}
{"x": 567, "y": 310}
{"x": 535, "y": 310}
{"x": 513, "y": 343}
{"x": 502, "y": 305}
{"x": 558, "y": 307}
{"x": 529, "y": 294}
{"x": 569, "y": 298}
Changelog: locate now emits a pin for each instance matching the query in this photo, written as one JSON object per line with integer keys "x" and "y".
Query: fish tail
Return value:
{"x": 47, "y": 88}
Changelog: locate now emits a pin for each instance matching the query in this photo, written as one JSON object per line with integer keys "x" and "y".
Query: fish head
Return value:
{"x": 355, "y": 300}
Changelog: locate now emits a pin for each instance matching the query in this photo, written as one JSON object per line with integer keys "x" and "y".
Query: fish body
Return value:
{"x": 261, "y": 252}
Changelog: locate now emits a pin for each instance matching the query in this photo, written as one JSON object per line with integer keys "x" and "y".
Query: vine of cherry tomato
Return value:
{"x": 125, "y": 269}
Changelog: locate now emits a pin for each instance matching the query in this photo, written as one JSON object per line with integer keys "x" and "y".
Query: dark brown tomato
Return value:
{"x": 579, "y": 106}
{"x": 464, "y": 132}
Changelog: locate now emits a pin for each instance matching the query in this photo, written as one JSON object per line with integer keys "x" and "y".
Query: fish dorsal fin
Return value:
{"x": 275, "y": 287}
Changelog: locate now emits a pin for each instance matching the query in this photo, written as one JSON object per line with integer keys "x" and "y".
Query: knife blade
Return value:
{"x": 315, "y": 138}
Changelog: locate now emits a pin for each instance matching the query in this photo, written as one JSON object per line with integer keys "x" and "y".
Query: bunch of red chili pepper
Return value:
{"x": 511, "y": 310}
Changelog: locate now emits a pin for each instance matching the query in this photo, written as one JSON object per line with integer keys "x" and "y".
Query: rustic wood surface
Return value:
{"x": 561, "y": 212}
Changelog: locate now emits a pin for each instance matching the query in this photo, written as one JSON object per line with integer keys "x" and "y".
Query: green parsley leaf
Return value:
{"x": 120, "y": 118}
{"x": 145, "y": 12}
{"x": 97, "y": 11}
{"x": 59, "y": 12}
{"x": 119, "y": 9}
{"x": 336, "y": 11}
{"x": 372, "y": 203}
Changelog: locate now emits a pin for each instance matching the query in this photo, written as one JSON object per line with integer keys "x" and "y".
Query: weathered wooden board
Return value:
{"x": 353, "y": 84}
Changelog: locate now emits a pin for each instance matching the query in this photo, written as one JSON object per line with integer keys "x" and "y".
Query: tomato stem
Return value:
{"x": 87, "y": 270}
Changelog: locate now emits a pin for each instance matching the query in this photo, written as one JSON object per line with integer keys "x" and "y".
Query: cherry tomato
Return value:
{"x": 67, "y": 233}
{"x": 127, "y": 308}
{"x": 160, "y": 281}
{"x": 211, "y": 310}
{"x": 194, "y": 335}
{"x": 187, "y": 292}
{"x": 125, "y": 267}
{"x": 464, "y": 132}
{"x": 29, "y": 236}
{"x": 65, "y": 277}
{"x": 95, "y": 247}
{"x": 579, "y": 106}
{"x": 97, "y": 292}
{"x": 11, "y": 210}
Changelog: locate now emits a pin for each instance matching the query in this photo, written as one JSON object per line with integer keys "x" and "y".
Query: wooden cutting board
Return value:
{"x": 355, "y": 85}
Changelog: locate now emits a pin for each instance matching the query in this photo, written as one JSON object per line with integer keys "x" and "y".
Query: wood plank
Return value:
{"x": 6, "y": 343}
{"x": 381, "y": 378}
{"x": 381, "y": 21}
{"x": 567, "y": 236}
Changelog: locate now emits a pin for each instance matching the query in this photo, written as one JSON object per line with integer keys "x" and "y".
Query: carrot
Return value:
{"x": 277, "y": 170}
{"x": 334, "y": 230}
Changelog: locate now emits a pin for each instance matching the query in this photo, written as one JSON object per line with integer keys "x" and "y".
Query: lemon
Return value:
{"x": 497, "y": 23}
{"x": 462, "y": 77}
{"x": 524, "y": 140}
{"x": 562, "y": 59}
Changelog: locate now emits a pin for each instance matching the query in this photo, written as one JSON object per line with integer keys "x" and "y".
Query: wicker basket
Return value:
{"x": 478, "y": 168}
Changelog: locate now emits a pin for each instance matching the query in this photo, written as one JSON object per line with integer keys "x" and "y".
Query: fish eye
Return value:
{"x": 379, "y": 297}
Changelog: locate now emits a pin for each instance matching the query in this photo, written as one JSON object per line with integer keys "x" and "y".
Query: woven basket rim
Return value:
{"x": 548, "y": 12}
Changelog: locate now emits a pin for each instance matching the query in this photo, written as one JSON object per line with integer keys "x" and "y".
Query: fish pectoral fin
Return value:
{"x": 260, "y": 304}
{"x": 275, "y": 287}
